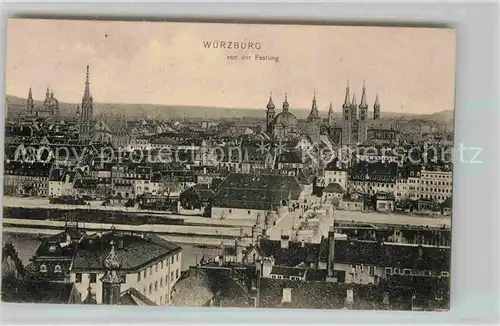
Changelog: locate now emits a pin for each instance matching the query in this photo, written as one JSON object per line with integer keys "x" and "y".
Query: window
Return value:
{"x": 161, "y": 282}
{"x": 156, "y": 268}
{"x": 407, "y": 271}
{"x": 43, "y": 268}
{"x": 172, "y": 275}
{"x": 139, "y": 277}
{"x": 172, "y": 260}
{"x": 93, "y": 277}
{"x": 445, "y": 274}
{"x": 150, "y": 270}
{"x": 396, "y": 270}
{"x": 78, "y": 278}
{"x": 162, "y": 263}
{"x": 177, "y": 273}
{"x": 150, "y": 288}
{"x": 177, "y": 257}
{"x": 156, "y": 286}
{"x": 145, "y": 273}
{"x": 230, "y": 211}
{"x": 166, "y": 279}
{"x": 248, "y": 212}
{"x": 372, "y": 270}
{"x": 58, "y": 269}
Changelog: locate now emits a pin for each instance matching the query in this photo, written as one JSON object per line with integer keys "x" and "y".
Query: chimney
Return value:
{"x": 349, "y": 300}
{"x": 331, "y": 253}
{"x": 285, "y": 241}
{"x": 287, "y": 295}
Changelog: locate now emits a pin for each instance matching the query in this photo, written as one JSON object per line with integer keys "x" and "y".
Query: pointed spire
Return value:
{"x": 30, "y": 94}
{"x": 52, "y": 93}
{"x": 285, "y": 104}
{"x": 363, "y": 97}
{"x": 314, "y": 114}
{"x": 87, "y": 83}
{"x": 376, "y": 109}
{"x": 47, "y": 94}
{"x": 347, "y": 101}
{"x": 354, "y": 99}
{"x": 270, "y": 105}
{"x": 112, "y": 262}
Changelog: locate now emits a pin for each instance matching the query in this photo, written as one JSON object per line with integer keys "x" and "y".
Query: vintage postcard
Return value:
{"x": 228, "y": 165}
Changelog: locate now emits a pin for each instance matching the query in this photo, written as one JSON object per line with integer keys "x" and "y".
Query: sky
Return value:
{"x": 411, "y": 69}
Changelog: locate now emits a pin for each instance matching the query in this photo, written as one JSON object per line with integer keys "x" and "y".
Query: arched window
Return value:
{"x": 58, "y": 269}
{"x": 43, "y": 268}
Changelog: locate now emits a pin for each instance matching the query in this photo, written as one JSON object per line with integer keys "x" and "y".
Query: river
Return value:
{"x": 27, "y": 244}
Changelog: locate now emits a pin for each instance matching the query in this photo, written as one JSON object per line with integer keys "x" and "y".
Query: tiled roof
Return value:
{"x": 256, "y": 191}
{"x": 392, "y": 255}
{"x": 39, "y": 292}
{"x": 292, "y": 256}
{"x": 132, "y": 297}
{"x": 305, "y": 177}
{"x": 36, "y": 169}
{"x": 289, "y": 157}
{"x": 200, "y": 190}
{"x": 201, "y": 284}
{"x": 136, "y": 252}
{"x": 378, "y": 172}
{"x": 334, "y": 188}
{"x": 409, "y": 170}
{"x": 325, "y": 295}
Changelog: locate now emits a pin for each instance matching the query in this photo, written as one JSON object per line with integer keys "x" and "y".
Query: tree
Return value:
{"x": 434, "y": 205}
{"x": 130, "y": 203}
{"x": 335, "y": 202}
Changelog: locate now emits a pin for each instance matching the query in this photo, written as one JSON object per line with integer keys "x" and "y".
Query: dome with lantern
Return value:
{"x": 285, "y": 117}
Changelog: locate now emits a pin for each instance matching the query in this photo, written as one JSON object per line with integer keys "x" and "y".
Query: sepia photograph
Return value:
{"x": 228, "y": 165}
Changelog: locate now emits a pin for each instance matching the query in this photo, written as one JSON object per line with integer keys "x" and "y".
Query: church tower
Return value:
{"x": 46, "y": 103}
{"x": 376, "y": 109}
{"x": 363, "y": 117}
{"x": 330, "y": 115}
{"x": 111, "y": 281}
{"x": 313, "y": 122}
{"x": 346, "y": 115}
{"x": 270, "y": 115}
{"x": 87, "y": 110}
{"x": 314, "y": 114}
{"x": 30, "y": 107}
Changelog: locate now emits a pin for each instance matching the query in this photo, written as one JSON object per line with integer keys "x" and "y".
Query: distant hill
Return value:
{"x": 17, "y": 105}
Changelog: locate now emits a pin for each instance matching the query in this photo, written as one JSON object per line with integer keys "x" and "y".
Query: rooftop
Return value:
{"x": 134, "y": 252}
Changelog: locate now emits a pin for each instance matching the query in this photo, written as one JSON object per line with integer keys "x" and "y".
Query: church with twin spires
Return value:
{"x": 353, "y": 128}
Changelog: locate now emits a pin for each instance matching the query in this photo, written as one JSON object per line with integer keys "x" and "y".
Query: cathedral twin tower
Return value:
{"x": 353, "y": 126}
